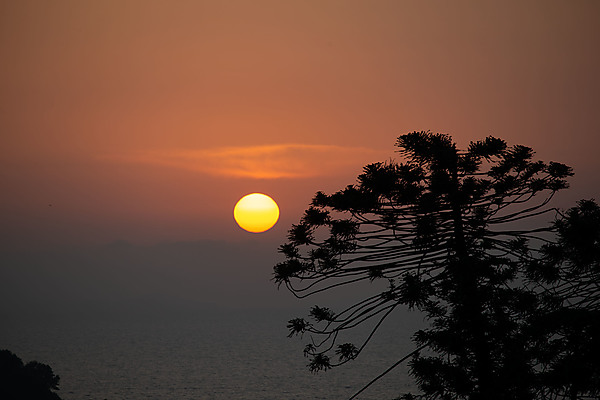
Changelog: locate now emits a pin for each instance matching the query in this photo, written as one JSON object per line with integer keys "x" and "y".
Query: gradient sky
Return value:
{"x": 145, "y": 121}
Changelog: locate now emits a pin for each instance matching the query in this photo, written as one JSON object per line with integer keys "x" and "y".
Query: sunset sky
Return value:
{"x": 141, "y": 123}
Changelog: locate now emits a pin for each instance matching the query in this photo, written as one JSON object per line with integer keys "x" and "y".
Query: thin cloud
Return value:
{"x": 260, "y": 162}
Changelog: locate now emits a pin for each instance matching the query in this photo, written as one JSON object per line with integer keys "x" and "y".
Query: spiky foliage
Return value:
{"x": 450, "y": 232}
{"x": 571, "y": 357}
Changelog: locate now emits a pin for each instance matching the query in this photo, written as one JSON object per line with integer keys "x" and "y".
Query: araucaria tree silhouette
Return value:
{"x": 571, "y": 269}
{"x": 464, "y": 237}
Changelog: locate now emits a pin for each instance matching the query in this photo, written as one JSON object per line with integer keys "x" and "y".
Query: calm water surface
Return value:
{"x": 210, "y": 355}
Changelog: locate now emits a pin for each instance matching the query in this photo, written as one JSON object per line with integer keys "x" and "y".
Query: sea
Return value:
{"x": 212, "y": 354}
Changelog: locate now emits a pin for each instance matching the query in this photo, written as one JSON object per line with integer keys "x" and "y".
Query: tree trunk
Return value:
{"x": 468, "y": 290}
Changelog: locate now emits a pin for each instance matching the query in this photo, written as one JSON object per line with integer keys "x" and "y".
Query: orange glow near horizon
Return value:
{"x": 277, "y": 161}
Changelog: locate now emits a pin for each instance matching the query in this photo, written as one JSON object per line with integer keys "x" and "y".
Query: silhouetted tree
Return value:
{"x": 31, "y": 381}
{"x": 459, "y": 235}
{"x": 571, "y": 324}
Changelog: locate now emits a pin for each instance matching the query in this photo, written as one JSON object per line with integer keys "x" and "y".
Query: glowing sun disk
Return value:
{"x": 256, "y": 212}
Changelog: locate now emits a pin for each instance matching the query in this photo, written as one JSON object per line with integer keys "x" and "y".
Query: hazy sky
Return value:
{"x": 145, "y": 121}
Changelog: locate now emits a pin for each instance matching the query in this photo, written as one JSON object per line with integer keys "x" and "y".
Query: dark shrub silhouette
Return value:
{"x": 31, "y": 381}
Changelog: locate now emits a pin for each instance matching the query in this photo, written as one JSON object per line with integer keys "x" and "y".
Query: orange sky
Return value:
{"x": 146, "y": 121}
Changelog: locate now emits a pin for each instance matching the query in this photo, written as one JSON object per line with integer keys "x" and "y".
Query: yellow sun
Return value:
{"x": 256, "y": 212}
